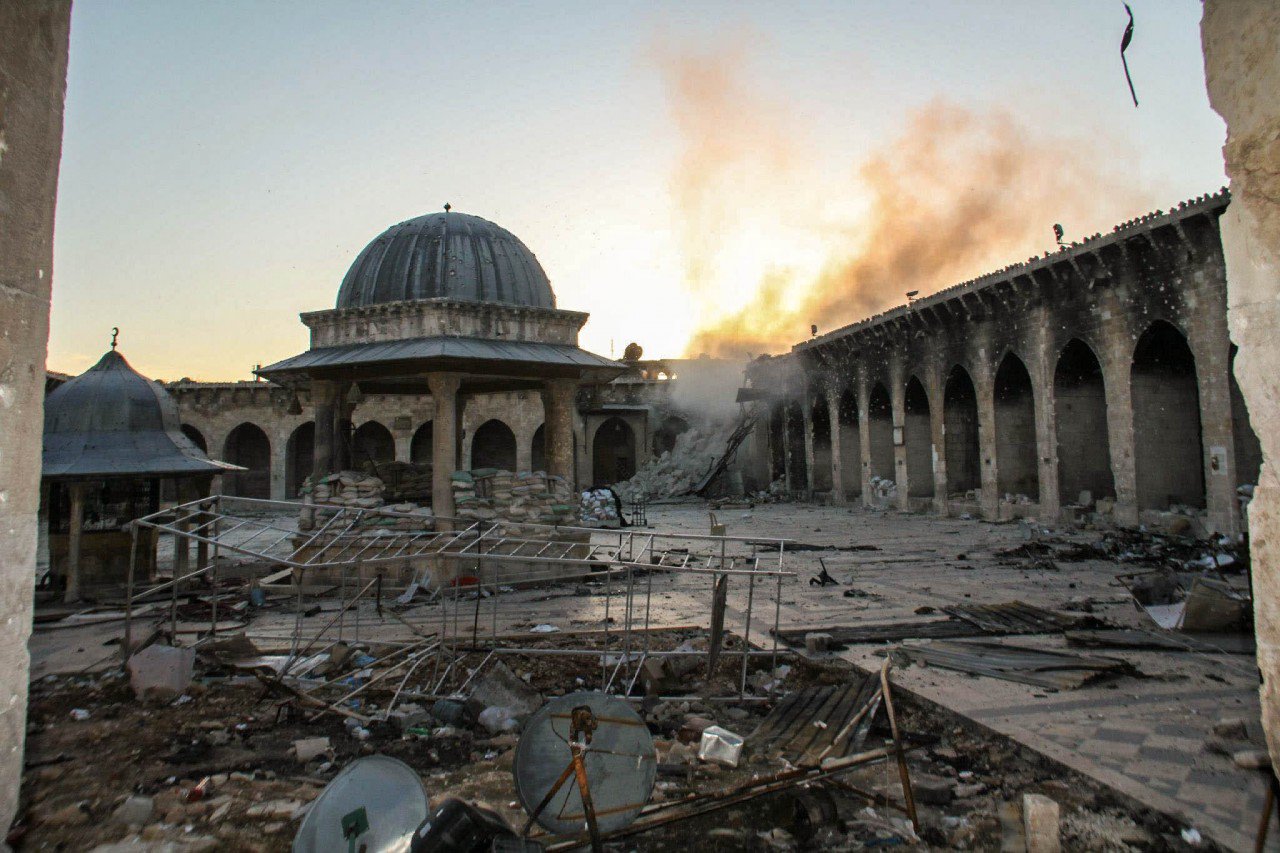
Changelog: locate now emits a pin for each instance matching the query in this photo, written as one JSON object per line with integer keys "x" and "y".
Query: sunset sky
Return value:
{"x": 223, "y": 163}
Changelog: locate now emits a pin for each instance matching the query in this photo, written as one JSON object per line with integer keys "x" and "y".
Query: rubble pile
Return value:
{"x": 677, "y": 471}
{"x": 488, "y": 494}
{"x": 884, "y": 490}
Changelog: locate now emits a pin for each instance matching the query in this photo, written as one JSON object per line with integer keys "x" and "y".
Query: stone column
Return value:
{"x": 344, "y": 412}
{"x": 1041, "y": 365}
{"x": 324, "y": 396}
{"x": 33, "y": 66}
{"x": 984, "y": 387}
{"x": 559, "y": 407}
{"x": 75, "y": 533}
{"x": 833, "y": 418}
{"x": 280, "y": 466}
{"x": 898, "y": 406}
{"x": 787, "y": 479}
{"x": 203, "y": 487}
{"x": 444, "y": 435}
{"x": 1241, "y": 41}
{"x": 806, "y": 418}
{"x": 1116, "y": 369}
{"x": 938, "y": 436}
{"x": 864, "y": 436}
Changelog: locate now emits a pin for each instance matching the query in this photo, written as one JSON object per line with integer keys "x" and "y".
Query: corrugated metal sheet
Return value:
{"x": 112, "y": 421}
{"x": 452, "y": 348}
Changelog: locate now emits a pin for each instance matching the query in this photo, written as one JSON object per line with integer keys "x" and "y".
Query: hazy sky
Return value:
{"x": 223, "y": 163}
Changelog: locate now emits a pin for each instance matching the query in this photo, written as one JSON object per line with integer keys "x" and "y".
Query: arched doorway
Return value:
{"x": 1080, "y": 416}
{"x": 777, "y": 443}
{"x": 421, "y": 445}
{"x": 197, "y": 438}
{"x": 1168, "y": 459}
{"x": 538, "y": 449}
{"x": 880, "y": 425}
{"x": 918, "y": 438}
{"x": 299, "y": 457}
{"x": 821, "y": 420}
{"x": 613, "y": 452}
{"x": 960, "y": 427}
{"x": 1016, "y": 470}
{"x": 248, "y": 446}
{"x": 493, "y": 446}
{"x": 664, "y": 438}
{"x": 372, "y": 445}
{"x": 795, "y": 447}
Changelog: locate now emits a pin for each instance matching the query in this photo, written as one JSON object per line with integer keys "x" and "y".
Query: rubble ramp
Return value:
{"x": 739, "y": 435}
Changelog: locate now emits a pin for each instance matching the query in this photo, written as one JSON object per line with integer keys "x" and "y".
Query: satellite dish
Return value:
{"x": 375, "y": 805}
{"x": 617, "y": 753}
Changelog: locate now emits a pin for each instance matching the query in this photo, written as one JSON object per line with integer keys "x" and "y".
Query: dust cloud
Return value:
{"x": 958, "y": 192}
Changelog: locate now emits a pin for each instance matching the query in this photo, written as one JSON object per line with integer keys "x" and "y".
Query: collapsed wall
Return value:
{"x": 679, "y": 470}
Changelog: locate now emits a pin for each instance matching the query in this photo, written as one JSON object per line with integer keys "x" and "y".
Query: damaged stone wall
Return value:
{"x": 1018, "y": 392}
{"x": 33, "y": 79}
{"x": 1241, "y": 41}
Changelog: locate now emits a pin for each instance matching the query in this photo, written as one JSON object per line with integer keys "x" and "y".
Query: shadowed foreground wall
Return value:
{"x": 33, "y": 79}
{"x": 1241, "y": 40}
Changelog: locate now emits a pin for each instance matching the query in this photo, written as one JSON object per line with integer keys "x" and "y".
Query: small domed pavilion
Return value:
{"x": 449, "y": 304}
{"x": 111, "y": 437}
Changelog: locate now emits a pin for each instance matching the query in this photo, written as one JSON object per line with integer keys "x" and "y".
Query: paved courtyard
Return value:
{"x": 1143, "y": 736}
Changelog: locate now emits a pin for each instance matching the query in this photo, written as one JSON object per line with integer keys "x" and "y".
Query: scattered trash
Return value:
{"x": 79, "y": 714}
{"x": 720, "y": 746}
{"x": 544, "y": 629}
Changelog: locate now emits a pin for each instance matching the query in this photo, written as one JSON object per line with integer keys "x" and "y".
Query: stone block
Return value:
{"x": 817, "y": 642}
{"x": 161, "y": 672}
{"x": 1040, "y": 824}
{"x": 134, "y": 811}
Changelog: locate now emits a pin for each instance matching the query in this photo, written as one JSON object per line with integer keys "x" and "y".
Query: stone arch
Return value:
{"x": 1080, "y": 419}
{"x": 197, "y": 437}
{"x": 850, "y": 441}
{"x": 1168, "y": 459}
{"x": 538, "y": 449}
{"x": 960, "y": 431}
{"x": 248, "y": 446}
{"x": 664, "y": 437}
{"x": 1017, "y": 471}
{"x": 918, "y": 438}
{"x": 422, "y": 445}
{"x": 880, "y": 427}
{"x": 820, "y": 417}
{"x": 613, "y": 452}
{"x": 1248, "y": 450}
{"x": 372, "y": 443}
{"x": 493, "y": 446}
{"x": 300, "y": 452}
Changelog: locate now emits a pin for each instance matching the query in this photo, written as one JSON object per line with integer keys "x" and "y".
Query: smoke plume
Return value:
{"x": 957, "y": 193}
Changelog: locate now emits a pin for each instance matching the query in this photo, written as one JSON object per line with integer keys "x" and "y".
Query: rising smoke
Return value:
{"x": 957, "y": 193}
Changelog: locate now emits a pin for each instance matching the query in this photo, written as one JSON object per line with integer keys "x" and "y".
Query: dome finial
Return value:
{"x": 115, "y": 333}
{"x": 447, "y": 207}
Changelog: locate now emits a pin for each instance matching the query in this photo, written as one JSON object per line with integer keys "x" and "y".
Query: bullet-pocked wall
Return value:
{"x": 1095, "y": 379}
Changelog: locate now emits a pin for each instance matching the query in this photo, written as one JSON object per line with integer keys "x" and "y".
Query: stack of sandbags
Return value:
{"x": 352, "y": 489}
{"x": 598, "y": 507}
{"x": 406, "y": 482}
{"x": 412, "y": 519}
{"x": 486, "y": 494}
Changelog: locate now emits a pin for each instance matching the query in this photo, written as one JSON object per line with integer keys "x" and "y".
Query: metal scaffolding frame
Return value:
{"x": 497, "y": 556}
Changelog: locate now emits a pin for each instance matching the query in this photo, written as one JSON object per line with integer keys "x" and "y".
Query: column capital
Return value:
{"x": 561, "y": 388}
{"x": 446, "y": 384}
{"x": 323, "y": 392}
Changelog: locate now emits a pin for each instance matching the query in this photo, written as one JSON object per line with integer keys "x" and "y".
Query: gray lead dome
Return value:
{"x": 446, "y": 255}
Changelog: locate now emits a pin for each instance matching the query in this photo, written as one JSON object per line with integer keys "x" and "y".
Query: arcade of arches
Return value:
{"x": 1097, "y": 380}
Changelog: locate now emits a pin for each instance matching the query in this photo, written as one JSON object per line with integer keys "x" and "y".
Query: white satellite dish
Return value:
{"x": 374, "y": 805}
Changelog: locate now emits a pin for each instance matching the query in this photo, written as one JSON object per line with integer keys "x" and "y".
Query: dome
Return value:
{"x": 446, "y": 255}
{"x": 112, "y": 421}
